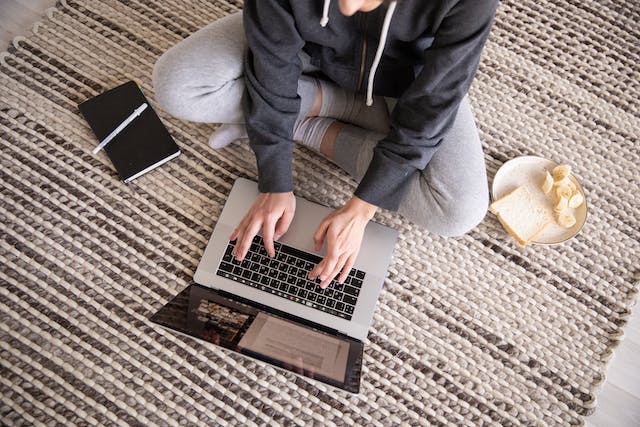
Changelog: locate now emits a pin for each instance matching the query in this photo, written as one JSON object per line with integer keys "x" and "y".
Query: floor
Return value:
{"x": 619, "y": 399}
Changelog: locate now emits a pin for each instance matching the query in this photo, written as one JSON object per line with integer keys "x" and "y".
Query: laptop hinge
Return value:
{"x": 280, "y": 313}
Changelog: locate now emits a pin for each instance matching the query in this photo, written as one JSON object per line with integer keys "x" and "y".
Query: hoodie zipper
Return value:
{"x": 363, "y": 57}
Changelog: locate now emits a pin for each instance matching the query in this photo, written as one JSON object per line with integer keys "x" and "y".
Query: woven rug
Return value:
{"x": 468, "y": 331}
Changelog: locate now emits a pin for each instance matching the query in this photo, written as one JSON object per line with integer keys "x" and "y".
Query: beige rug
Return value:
{"x": 468, "y": 331}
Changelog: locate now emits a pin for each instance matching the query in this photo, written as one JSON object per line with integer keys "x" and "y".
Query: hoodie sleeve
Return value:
{"x": 428, "y": 107}
{"x": 271, "y": 102}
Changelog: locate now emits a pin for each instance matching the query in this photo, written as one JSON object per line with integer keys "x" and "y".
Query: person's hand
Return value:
{"x": 272, "y": 213}
{"x": 343, "y": 230}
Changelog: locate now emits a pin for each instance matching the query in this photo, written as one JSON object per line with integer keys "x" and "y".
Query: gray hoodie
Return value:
{"x": 427, "y": 59}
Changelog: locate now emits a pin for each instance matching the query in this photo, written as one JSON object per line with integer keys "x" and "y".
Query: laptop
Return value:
{"x": 267, "y": 309}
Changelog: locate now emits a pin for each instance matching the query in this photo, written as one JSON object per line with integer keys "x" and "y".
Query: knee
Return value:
{"x": 462, "y": 215}
{"x": 454, "y": 215}
{"x": 170, "y": 83}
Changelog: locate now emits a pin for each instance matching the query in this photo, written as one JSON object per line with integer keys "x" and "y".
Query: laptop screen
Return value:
{"x": 278, "y": 339}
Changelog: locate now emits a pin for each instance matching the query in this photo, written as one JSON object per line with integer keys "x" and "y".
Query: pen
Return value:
{"x": 121, "y": 126}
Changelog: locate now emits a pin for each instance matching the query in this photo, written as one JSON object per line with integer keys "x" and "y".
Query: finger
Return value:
{"x": 315, "y": 271}
{"x": 267, "y": 235}
{"x": 347, "y": 268}
{"x": 283, "y": 224}
{"x": 332, "y": 256}
{"x": 334, "y": 272}
{"x": 326, "y": 273}
{"x": 245, "y": 239}
{"x": 236, "y": 232}
{"x": 321, "y": 231}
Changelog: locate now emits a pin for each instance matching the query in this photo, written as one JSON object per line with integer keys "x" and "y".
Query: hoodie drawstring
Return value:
{"x": 383, "y": 41}
{"x": 376, "y": 60}
{"x": 325, "y": 13}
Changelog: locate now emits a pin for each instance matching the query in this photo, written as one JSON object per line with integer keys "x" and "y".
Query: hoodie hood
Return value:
{"x": 383, "y": 40}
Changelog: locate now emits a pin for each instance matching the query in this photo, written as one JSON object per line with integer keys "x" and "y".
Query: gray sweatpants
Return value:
{"x": 201, "y": 79}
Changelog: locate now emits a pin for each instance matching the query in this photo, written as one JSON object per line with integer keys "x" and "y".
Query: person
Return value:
{"x": 379, "y": 87}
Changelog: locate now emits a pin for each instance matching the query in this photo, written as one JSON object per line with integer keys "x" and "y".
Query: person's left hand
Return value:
{"x": 343, "y": 230}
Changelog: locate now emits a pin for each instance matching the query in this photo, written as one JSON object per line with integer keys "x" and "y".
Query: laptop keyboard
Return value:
{"x": 285, "y": 275}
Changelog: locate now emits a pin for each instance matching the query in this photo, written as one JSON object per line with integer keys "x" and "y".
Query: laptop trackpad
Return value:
{"x": 208, "y": 315}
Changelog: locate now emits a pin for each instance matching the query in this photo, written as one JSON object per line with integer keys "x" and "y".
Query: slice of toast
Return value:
{"x": 521, "y": 215}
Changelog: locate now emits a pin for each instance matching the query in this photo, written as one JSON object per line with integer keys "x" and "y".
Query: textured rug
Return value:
{"x": 468, "y": 331}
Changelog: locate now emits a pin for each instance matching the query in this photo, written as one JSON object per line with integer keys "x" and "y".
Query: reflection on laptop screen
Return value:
{"x": 206, "y": 314}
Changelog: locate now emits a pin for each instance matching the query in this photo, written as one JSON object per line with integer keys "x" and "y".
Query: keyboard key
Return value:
{"x": 265, "y": 280}
{"x": 351, "y": 290}
{"x": 255, "y": 277}
{"x": 246, "y": 274}
{"x": 282, "y": 277}
{"x": 281, "y": 257}
{"x": 237, "y": 271}
{"x": 312, "y": 297}
{"x": 322, "y": 300}
{"x": 226, "y": 267}
{"x": 340, "y": 306}
{"x": 301, "y": 254}
{"x": 360, "y": 274}
{"x": 357, "y": 283}
{"x": 302, "y": 293}
{"x": 349, "y": 299}
{"x": 349, "y": 309}
{"x": 273, "y": 273}
{"x": 283, "y": 287}
{"x": 331, "y": 303}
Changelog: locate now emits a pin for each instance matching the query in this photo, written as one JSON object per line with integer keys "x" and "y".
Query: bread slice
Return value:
{"x": 521, "y": 215}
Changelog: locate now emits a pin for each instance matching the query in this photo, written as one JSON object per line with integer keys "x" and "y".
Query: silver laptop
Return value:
{"x": 266, "y": 308}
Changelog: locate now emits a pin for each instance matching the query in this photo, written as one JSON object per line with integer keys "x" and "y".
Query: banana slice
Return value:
{"x": 566, "y": 220}
{"x": 548, "y": 182}
{"x": 561, "y": 172}
{"x": 564, "y": 189}
{"x": 576, "y": 200}
{"x": 561, "y": 204}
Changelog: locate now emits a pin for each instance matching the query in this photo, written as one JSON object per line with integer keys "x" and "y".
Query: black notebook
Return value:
{"x": 141, "y": 146}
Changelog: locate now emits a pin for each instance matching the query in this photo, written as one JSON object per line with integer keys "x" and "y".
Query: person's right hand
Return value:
{"x": 272, "y": 213}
